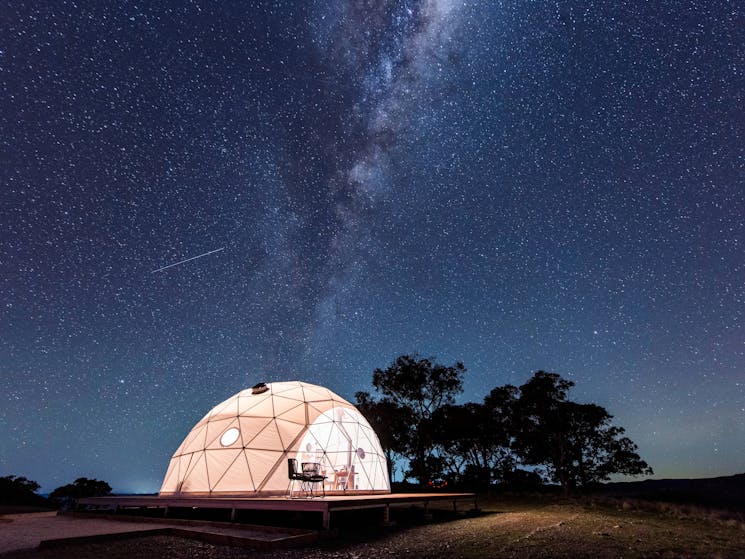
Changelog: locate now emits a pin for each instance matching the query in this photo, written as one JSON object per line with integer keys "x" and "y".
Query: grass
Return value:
{"x": 510, "y": 528}
{"x": 534, "y": 529}
{"x": 539, "y": 529}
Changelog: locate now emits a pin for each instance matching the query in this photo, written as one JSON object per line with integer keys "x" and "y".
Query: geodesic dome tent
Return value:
{"x": 242, "y": 445}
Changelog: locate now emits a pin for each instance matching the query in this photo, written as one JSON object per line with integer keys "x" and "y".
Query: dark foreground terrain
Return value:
{"x": 726, "y": 492}
{"x": 507, "y": 528}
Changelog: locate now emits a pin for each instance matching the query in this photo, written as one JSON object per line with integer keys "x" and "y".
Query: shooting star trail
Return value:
{"x": 188, "y": 260}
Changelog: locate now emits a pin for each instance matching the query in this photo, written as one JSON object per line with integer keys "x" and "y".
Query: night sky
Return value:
{"x": 515, "y": 185}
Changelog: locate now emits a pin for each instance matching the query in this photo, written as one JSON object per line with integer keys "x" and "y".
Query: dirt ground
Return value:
{"x": 505, "y": 529}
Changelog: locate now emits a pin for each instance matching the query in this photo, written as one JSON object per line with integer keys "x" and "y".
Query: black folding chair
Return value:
{"x": 312, "y": 475}
{"x": 294, "y": 474}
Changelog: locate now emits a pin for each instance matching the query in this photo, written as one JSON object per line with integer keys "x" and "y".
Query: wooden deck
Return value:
{"x": 322, "y": 505}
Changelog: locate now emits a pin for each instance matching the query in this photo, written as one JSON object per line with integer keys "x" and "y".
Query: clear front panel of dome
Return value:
{"x": 345, "y": 446}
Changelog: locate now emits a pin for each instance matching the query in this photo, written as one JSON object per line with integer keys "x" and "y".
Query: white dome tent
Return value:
{"x": 241, "y": 447}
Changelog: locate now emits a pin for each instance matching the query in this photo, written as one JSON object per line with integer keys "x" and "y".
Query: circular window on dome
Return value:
{"x": 229, "y": 436}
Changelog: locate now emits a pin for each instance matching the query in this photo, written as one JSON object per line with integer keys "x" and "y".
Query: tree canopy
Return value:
{"x": 413, "y": 389}
{"x": 18, "y": 490}
{"x": 81, "y": 487}
{"x": 576, "y": 443}
{"x": 478, "y": 444}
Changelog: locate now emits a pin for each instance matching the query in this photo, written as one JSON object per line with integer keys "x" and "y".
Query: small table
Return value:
{"x": 344, "y": 479}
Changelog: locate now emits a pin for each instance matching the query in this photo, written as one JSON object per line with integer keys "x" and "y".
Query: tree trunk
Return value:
{"x": 389, "y": 459}
{"x": 562, "y": 467}
{"x": 422, "y": 474}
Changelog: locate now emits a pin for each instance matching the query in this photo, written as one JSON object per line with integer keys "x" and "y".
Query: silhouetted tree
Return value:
{"x": 575, "y": 442}
{"x": 474, "y": 443}
{"x": 418, "y": 388}
{"x": 522, "y": 480}
{"x": 597, "y": 448}
{"x": 478, "y": 444}
{"x": 81, "y": 487}
{"x": 500, "y": 405}
{"x": 541, "y": 436}
{"x": 18, "y": 490}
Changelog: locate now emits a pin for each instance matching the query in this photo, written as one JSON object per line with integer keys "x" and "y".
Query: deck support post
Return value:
{"x": 232, "y": 514}
{"x": 387, "y": 515}
{"x": 165, "y": 511}
{"x": 326, "y": 522}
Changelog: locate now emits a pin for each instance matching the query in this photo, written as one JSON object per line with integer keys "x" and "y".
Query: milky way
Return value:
{"x": 515, "y": 185}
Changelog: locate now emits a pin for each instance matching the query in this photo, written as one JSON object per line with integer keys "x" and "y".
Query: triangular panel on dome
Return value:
{"x": 290, "y": 406}
{"x": 351, "y": 429}
{"x": 245, "y": 401}
{"x": 171, "y": 479}
{"x": 244, "y": 393}
{"x": 298, "y": 414}
{"x": 318, "y": 412}
{"x": 250, "y": 427}
{"x": 184, "y": 461}
{"x": 197, "y": 478}
{"x": 286, "y": 388}
{"x": 338, "y": 400}
{"x": 229, "y": 408}
{"x": 237, "y": 478}
{"x": 194, "y": 440}
{"x": 216, "y": 428}
{"x": 262, "y": 463}
{"x": 318, "y": 440}
{"x": 289, "y": 432}
{"x": 219, "y": 462}
{"x": 371, "y": 475}
{"x": 267, "y": 438}
{"x": 315, "y": 394}
{"x": 365, "y": 440}
{"x": 258, "y": 406}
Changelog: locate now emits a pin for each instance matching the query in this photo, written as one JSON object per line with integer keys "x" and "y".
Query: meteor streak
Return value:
{"x": 188, "y": 260}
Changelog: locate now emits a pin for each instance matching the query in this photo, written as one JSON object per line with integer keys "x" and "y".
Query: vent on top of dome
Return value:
{"x": 259, "y": 388}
